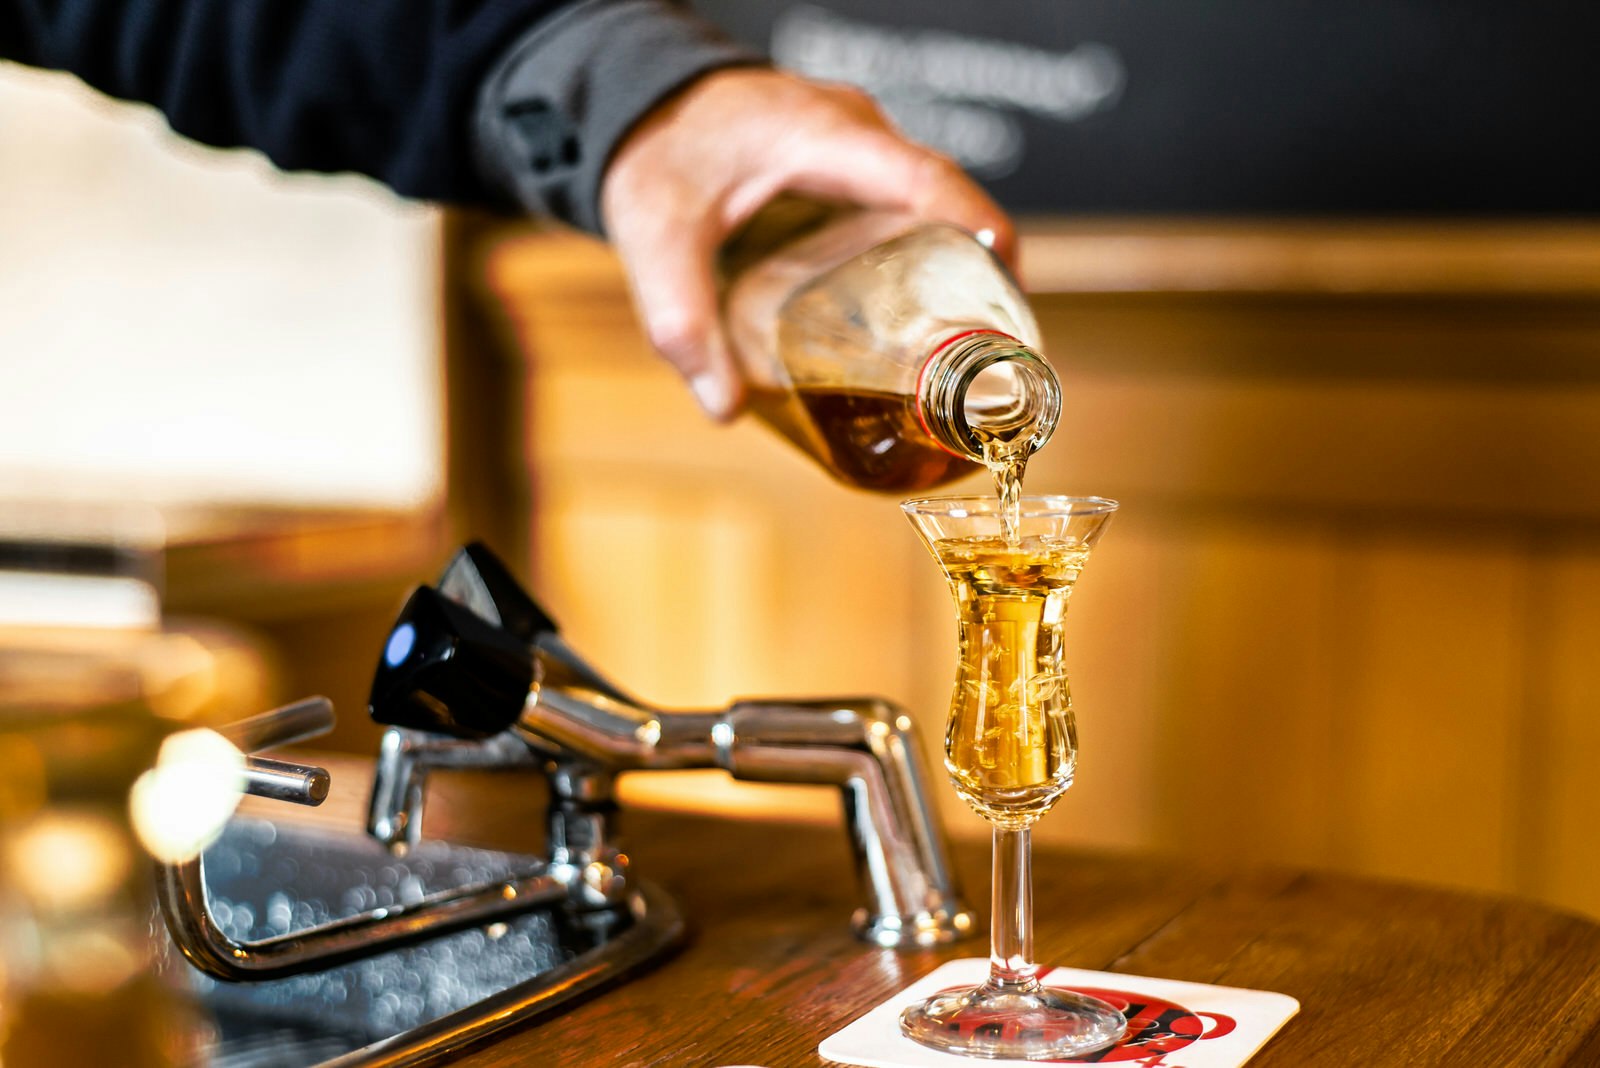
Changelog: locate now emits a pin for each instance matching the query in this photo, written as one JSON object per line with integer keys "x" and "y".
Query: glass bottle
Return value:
{"x": 891, "y": 350}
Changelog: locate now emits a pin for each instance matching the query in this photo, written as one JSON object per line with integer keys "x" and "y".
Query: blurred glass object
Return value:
{"x": 76, "y": 985}
{"x": 67, "y": 569}
{"x": 182, "y": 325}
{"x": 92, "y": 688}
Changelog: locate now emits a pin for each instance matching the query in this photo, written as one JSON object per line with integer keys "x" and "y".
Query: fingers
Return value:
{"x": 668, "y": 270}
{"x": 860, "y": 159}
{"x": 713, "y": 155}
{"x": 942, "y": 190}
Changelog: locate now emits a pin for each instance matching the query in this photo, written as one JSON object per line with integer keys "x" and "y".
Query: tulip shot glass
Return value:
{"x": 1011, "y": 749}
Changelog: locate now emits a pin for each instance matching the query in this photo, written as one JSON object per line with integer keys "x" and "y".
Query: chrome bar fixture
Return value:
{"x": 475, "y": 675}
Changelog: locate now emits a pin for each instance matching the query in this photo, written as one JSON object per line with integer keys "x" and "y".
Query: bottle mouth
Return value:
{"x": 988, "y": 389}
{"x": 1010, "y": 397}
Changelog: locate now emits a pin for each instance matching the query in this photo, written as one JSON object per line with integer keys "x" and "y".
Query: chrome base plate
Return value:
{"x": 411, "y": 1005}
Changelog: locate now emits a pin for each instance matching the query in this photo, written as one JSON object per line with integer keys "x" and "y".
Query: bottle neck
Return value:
{"x": 981, "y": 386}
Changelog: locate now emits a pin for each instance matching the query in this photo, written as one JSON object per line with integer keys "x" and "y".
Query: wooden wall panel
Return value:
{"x": 1561, "y": 770}
{"x": 1247, "y": 716}
{"x": 1431, "y": 697}
{"x": 1477, "y": 451}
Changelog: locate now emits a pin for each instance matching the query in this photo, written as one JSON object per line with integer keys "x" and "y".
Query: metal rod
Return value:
{"x": 300, "y": 784}
{"x": 281, "y": 726}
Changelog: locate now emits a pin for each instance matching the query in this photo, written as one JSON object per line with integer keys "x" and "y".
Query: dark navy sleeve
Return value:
{"x": 387, "y": 88}
{"x": 560, "y": 100}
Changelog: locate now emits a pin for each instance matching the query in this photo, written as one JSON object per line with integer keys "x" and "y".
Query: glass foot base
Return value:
{"x": 1026, "y": 1023}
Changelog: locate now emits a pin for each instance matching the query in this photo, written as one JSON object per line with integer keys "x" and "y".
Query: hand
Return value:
{"x": 705, "y": 161}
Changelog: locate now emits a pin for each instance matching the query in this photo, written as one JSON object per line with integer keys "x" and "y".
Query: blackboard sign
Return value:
{"x": 1225, "y": 106}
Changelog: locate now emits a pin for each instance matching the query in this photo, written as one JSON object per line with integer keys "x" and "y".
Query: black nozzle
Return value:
{"x": 477, "y": 579}
{"x": 447, "y": 669}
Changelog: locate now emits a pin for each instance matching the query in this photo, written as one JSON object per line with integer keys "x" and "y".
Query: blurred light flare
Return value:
{"x": 181, "y": 805}
{"x": 66, "y": 861}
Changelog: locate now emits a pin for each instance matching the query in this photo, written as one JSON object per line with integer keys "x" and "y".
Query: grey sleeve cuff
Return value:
{"x": 561, "y": 98}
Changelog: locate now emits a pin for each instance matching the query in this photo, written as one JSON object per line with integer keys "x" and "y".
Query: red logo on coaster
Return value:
{"x": 1155, "y": 1029}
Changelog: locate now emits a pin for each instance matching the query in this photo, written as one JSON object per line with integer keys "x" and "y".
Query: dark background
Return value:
{"x": 1238, "y": 107}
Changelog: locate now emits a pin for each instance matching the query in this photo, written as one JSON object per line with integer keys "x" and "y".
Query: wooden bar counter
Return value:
{"x": 1386, "y": 973}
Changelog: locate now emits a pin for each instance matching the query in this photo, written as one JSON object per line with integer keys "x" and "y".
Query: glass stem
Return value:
{"x": 1011, "y": 911}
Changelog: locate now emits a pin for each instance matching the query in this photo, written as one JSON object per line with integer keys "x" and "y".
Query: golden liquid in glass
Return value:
{"x": 1011, "y": 745}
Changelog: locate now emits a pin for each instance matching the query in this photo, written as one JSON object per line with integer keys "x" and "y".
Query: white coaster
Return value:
{"x": 1172, "y": 1024}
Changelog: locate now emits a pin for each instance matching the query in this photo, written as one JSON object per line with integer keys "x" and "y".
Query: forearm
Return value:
{"x": 430, "y": 97}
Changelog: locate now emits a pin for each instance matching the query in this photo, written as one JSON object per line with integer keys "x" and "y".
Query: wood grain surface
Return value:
{"x": 1385, "y": 973}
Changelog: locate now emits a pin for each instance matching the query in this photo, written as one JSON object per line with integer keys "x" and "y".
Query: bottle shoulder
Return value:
{"x": 863, "y": 294}
{"x": 912, "y": 291}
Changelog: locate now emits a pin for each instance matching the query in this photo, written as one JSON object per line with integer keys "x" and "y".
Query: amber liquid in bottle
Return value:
{"x": 1011, "y": 743}
{"x": 864, "y": 438}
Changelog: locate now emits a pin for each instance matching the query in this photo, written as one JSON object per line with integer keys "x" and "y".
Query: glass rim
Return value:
{"x": 1032, "y": 505}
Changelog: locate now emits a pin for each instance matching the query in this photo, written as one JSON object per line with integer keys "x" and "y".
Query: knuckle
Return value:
{"x": 856, "y": 101}
{"x": 935, "y": 176}
{"x": 854, "y": 94}
{"x": 938, "y": 167}
{"x": 679, "y": 334}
